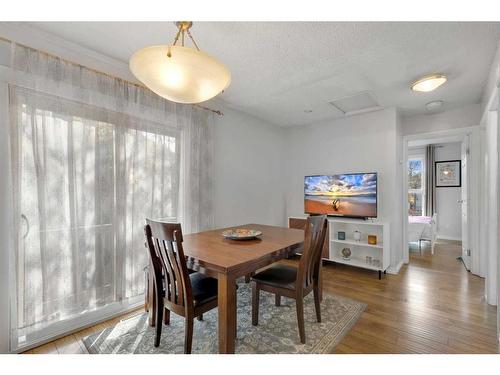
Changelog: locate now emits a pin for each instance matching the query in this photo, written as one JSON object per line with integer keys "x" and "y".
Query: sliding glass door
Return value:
{"x": 84, "y": 180}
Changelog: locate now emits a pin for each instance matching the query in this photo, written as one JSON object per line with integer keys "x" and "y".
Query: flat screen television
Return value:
{"x": 350, "y": 195}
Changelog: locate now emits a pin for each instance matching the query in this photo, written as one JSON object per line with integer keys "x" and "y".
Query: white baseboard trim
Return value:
{"x": 440, "y": 237}
{"x": 394, "y": 270}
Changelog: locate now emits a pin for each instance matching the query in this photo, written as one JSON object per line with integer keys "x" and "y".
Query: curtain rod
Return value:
{"x": 217, "y": 112}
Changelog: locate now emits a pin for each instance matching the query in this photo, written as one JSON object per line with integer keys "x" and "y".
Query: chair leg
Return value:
{"x": 146, "y": 294}
{"x": 420, "y": 246}
{"x": 236, "y": 325}
{"x": 277, "y": 299}
{"x": 158, "y": 318}
{"x": 200, "y": 317}
{"x": 317, "y": 302}
{"x": 166, "y": 316}
{"x": 152, "y": 303}
{"x": 188, "y": 338}
{"x": 299, "y": 303}
{"x": 255, "y": 304}
{"x": 320, "y": 281}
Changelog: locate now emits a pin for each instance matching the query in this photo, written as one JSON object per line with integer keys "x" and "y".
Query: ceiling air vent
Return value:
{"x": 357, "y": 103}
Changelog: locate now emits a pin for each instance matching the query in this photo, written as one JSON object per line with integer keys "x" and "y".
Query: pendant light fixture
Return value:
{"x": 178, "y": 73}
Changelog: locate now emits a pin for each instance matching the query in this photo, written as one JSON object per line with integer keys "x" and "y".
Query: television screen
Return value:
{"x": 353, "y": 195}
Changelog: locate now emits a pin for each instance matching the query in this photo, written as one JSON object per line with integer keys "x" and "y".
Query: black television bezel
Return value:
{"x": 340, "y": 215}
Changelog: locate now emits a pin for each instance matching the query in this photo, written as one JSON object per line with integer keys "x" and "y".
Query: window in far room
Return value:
{"x": 416, "y": 186}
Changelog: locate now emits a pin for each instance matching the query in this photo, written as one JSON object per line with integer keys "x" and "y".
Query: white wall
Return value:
{"x": 362, "y": 143}
{"x": 448, "y": 209}
{"x": 248, "y": 171}
{"x": 492, "y": 179}
{"x": 462, "y": 117}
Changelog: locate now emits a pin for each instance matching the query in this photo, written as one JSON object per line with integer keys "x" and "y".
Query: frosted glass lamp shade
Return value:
{"x": 428, "y": 83}
{"x": 187, "y": 76}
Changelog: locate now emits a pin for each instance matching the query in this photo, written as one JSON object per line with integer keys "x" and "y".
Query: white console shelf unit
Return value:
{"x": 360, "y": 249}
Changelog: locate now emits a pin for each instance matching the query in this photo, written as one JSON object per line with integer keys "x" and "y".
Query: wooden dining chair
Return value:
{"x": 177, "y": 291}
{"x": 292, "y": 282}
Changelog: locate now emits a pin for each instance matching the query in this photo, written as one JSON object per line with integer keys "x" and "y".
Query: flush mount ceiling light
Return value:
{"x": 179, "y": 73}
{"x": 428, "y": 83}
{"x": 435, "y": 105}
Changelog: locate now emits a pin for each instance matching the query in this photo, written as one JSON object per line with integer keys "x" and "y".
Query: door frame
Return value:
{"x": 472, "y": 191}
{"x": 465, "y": 183}
{"x": 5, "y": 221}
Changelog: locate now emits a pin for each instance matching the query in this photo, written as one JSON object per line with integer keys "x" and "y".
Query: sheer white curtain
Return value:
{"x": 92, "y": 156}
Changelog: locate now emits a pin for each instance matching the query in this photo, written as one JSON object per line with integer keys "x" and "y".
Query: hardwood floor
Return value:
{"x": 432, "y": 306}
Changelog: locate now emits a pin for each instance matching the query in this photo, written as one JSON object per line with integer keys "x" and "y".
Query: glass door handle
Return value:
{"x": 23, "y": 216}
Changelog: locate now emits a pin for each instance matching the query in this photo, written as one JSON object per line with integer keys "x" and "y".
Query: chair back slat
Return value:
{"x": 315, "y": 233}
{"x": 165, "y": 266}
{"x": 173, "y": 256}
{"x": 169, "y": 263}
{"x": 154, "y": 259}
{"x": 170, "y": 274}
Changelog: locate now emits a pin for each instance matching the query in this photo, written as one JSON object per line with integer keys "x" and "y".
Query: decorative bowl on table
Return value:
{"x": 241, "y": 234}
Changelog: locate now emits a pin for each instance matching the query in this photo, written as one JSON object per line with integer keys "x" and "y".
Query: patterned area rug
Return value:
{"x": 277, "y": 331}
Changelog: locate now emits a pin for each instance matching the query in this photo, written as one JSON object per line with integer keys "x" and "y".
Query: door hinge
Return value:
{"x": 468, "y": 252}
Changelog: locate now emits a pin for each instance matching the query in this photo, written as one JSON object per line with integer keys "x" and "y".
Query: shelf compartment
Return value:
{"x": 358, "y": 243}
{"x": 356, "y": 262}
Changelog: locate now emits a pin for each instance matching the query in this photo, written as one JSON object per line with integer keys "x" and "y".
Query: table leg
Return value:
{"x": 227, "y": 313}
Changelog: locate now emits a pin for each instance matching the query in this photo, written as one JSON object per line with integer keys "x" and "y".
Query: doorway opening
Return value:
{"x": 437, "y": 193}
{"x": 436, "y": 205}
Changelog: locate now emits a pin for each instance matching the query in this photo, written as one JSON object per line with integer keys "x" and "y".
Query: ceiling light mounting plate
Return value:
{"x": 183, "y": 25}
{"x": 434, "y": 105}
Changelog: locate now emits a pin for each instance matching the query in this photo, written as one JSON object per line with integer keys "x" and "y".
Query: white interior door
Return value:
{"x": 466, "y": 254}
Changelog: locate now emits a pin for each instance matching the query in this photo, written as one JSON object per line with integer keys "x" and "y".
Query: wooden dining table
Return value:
{"x": 227, "y": 260}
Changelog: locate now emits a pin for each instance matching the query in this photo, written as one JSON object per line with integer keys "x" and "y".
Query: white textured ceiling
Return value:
{"x": 281, "y": 69}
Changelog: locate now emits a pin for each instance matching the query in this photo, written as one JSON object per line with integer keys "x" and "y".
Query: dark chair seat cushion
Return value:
{"x": 279, "y": 275}
{"x": 204, "y": 288}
